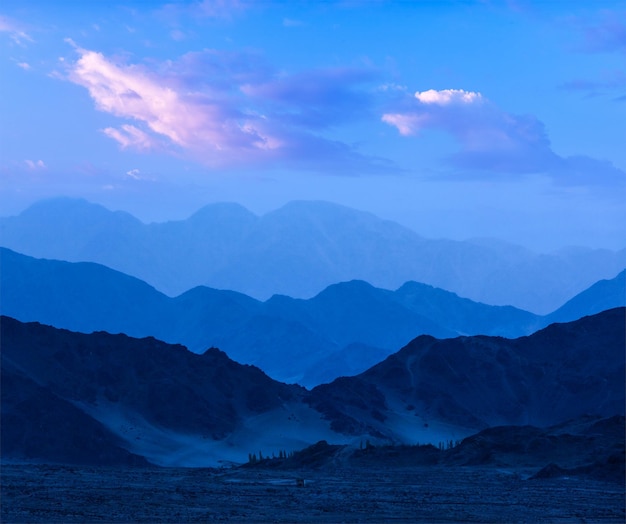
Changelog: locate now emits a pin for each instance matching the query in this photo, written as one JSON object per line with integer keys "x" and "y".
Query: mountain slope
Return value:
{"x": 32, "y": 413}
{"x": 160, "y": 401}
{"x": 342, "y": 331}
{"x": 603, "y": 295}
{"x": 300, "y": 249}
{"x": 111, "y": 399}
{"x": 558, "y": 373}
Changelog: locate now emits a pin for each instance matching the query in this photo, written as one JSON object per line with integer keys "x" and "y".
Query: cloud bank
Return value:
{"x": 227, "y": 108}
{"x": 494, "y": 141}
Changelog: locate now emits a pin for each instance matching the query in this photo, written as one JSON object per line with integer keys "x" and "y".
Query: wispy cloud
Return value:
{"x": 207, "y": 9}
{"x": 494, "y": 141}
{"x": 610, "y": 84}
{"x": 225, "y": 109}
{"x": 130, "y": 136}
{"x": 221, "y": 8}
{"x": 15, "y": 29}
{"x": 35, "y": 165}
{"x": 290, "y": 22}
{"x": 604, "y": 32}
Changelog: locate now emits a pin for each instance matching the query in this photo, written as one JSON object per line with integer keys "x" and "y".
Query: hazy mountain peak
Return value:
{"x": 72, "y": 208}
{"x": 299, "y": 250}
{"x": 328, "y": 213}
{"x": 219, "y": 211}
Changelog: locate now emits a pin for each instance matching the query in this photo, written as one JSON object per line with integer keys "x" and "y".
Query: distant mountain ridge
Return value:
{"x": 299, "y": 250}
{"x": 112, "y": 399}
{"x": 342, "y": 331}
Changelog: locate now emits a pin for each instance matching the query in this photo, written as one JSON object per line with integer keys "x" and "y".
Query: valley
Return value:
{"x": 45, "y": 493}
{"x": 322, "y": 261}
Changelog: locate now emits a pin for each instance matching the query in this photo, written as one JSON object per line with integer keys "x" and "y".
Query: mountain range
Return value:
{"x": 299, "y": 250}
{"x": 343, "y": 330}
{"x": 112, "y": 399}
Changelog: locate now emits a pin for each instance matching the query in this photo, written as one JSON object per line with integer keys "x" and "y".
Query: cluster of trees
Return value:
{"x": 282, "y": 454}
{"x": 449, "y": 444}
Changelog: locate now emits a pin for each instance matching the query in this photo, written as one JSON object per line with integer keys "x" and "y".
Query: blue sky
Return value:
{"x": 458, "y": 119}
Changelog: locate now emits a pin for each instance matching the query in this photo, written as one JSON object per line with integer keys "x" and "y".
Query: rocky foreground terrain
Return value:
{"x": 494, "y": 476}
{"x": 403, "y": 494}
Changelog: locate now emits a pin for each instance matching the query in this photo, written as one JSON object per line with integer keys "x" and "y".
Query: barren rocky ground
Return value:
{"x": 45, "y": 493}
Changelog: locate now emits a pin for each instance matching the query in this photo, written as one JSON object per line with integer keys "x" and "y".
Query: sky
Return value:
{"x": 458, "y": 119}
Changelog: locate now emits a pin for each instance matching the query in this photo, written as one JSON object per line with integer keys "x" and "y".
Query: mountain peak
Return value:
{"x": 219, "y": 211}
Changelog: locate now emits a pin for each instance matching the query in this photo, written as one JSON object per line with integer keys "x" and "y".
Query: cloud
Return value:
{"x": 35, "y": 165}
{"x": 608, "y": 84}
{"x": 318, "y": 98}
{"x": 221, "y": 8}
{"x": 605, "y": 32}
{"x": 137, "y": 175}
{"x": 290, "y": 22}
{"x": 130, "y": 136}
{"x": 16, "y": 31}
{"x": 24, "y": 65}
{"x": 188, "y": 120}
{"x": 223, "y": 108}
{"x": 178, "y": 35}
{"x": 448, "y": 96}
{"x": 210, "y": 9}
{"x": 494, "y": 141}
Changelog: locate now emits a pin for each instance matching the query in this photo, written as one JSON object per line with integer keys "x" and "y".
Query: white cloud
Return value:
{"x": 448, "y": 96}
{"x": 494, "y": 141}
{"x": 191, "y": 120}
{"x": 407, "y": 124}
{"x": 24, "y": 65}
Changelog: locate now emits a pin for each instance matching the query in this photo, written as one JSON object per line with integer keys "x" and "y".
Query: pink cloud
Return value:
{"x": 193, "y": 121}
{"x": 222, "y": 109}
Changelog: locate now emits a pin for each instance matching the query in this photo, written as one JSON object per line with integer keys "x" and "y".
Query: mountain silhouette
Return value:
{"x": 603, "y": 295}
{"x": 343, "y": 330}
{"x": 558, "y": 373}
{"x": 299, "y": 250}
{"x": 111, "y": 399}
